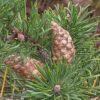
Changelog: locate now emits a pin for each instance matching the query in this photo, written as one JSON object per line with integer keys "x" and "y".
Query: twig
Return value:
{"x": 4, "y": 81}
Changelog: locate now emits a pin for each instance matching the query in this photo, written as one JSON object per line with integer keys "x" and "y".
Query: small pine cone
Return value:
{"x": 57, "y": 89}
{"x": 21, "y": 36}
{"x": 43, "y": 54}
{"x": 17, "y": 34}
{"x": 63, "y": 46}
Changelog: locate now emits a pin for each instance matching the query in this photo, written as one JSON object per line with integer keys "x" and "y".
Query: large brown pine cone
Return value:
{"x": 63, "y": 46}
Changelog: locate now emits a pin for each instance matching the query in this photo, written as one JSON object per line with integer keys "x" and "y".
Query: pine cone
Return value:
{"x": 43, "y": 54}
{"x": 27, "y": 69}
{"x": 63, "y": 46}
{"x": 16, "y": 35}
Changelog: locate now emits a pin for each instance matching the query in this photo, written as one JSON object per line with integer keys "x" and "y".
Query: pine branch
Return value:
{"x": 60, "y": 81}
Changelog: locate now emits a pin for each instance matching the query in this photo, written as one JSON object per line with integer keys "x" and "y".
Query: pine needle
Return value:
{"x": 4, "y": 81}
{"x": 94, "y": 83}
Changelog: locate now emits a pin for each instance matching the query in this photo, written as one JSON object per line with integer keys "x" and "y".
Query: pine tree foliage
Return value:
{"x": 76, "y": 81}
